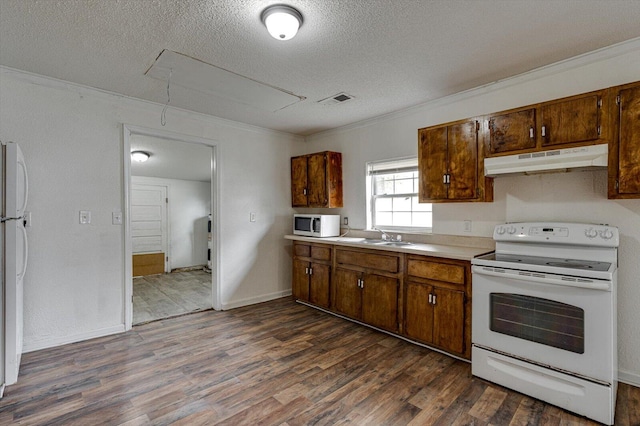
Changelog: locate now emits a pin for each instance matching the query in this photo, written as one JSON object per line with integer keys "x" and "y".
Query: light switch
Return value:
{"x": 116, "y": 218}
{"x": 467, "y": 226}
{"x": 252, "y": 217}
{"x": 85, "y": 217}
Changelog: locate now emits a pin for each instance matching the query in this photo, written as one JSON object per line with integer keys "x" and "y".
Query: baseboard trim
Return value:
{"x": 52, "y": 343}
{"x": 253, "y": 300}
{"x": 629, "y": 378}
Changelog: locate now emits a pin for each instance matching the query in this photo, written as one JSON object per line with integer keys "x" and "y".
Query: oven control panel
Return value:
{"x": 558, "y": 233}
{"x": 549, "y": 230}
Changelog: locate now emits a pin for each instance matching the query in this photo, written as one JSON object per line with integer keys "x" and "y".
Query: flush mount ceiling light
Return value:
{"x": 281, "y": 21}
{"x": 140, "y": 156}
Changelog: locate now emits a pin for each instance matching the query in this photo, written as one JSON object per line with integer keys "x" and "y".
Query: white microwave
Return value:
{"x": 316, "y": 225}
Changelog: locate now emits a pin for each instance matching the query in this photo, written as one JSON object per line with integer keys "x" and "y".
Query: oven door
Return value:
{"x": 566, "y": 327}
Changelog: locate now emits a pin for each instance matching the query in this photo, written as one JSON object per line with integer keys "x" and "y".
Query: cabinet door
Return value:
{"x": 512, "y": 131}
{"x": 571, "y": 121}
{"x": 629, "y": 142}
{"x": 348, "y": 294}
{"x": 299, "y": 181}
{"x": 300, "y": 282}
{"x": 418, "y": 313}
{"x": 380, "y": 301}
{"x": 448, "y": 319}
{"x": 462, "y": 145}
{"x": 319, "y": 284}
{"x": 317, "y": 177}
{"x": 432, "y": 164}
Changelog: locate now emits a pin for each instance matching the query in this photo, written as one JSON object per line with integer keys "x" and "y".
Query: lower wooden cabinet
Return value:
{"x": 367, "y": 297}
{"x": 423, "y": 298}
{"x": 312, "y": 273}
{"x": 437, "y": 310}
{"x": 435, "y": 315}
{"x": 367, "y": 285}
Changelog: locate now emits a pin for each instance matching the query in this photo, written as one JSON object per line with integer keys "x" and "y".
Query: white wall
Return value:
{"x": 579, "y": 196}
{"x": 72, "y": 138}
{"x": 189, "y": 207}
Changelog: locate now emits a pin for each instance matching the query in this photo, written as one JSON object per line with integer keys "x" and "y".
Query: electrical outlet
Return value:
{"x": 345, "y": 221}
{"x": 467, "y": 226}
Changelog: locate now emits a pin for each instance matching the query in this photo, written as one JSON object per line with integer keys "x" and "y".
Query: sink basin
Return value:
{"x": 384, "y": 242}
{"x": 372, "y": 241}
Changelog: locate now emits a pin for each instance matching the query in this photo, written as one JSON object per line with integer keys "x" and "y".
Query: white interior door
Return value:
{"x": 149, "y": 229}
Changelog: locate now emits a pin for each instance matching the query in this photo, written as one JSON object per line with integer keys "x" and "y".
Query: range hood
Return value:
{"x": 591, "y": 157}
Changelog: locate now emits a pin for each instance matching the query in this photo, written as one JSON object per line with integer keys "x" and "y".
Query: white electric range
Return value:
{"x": 544, "y": 314}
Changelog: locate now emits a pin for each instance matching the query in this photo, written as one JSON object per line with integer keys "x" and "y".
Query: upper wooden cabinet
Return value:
{"x": 450, "y": 165}
{"x": 624, "y": 149}
{"x": 512, "y": 131}
{"x": 573, "y": 121}
{"x": 316, "y": 180}
{"x": 578, "y": 119}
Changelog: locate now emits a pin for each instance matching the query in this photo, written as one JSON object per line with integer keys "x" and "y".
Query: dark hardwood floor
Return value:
{"x": 276, "y": 363}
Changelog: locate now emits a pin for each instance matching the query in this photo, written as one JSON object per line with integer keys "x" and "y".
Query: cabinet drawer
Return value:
{"x": 436, "y": 271}
{"x": 321, "y": 253}
{"x": 380, "y": 262}
{"x": 301, "y": 250}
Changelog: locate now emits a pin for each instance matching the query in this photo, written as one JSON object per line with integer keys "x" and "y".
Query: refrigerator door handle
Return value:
{"x": 23, "y": 166}
{"x": 25, "y": 253}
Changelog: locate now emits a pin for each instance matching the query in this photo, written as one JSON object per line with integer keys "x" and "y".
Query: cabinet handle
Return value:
{"x": 531, "y": 132}
{"x": 362, "y": 284}
{"x": 434, "y": 300}
{"x": 444, "y": 178}
{"x": 310, "y": 271}
{"x": 304, "y": 191}
{"x": 543, "y": 131}
{"x": 448, "y": 178}
{"x": 430, "y": 298}
{"x": 306, "y": 271}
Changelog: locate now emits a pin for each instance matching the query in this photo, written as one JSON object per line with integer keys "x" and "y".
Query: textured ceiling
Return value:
{"x": 388, "y": 54}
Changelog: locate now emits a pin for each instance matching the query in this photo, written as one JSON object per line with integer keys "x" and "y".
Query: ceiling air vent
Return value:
{"x": 336, "y": 99}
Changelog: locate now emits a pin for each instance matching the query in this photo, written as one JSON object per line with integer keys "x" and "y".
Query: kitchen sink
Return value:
{"x": 373, "y": 241}
{"x": 385, "y": 242}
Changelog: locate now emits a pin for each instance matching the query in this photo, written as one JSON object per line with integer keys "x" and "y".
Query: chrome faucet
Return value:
{"x": 386, "y": 236}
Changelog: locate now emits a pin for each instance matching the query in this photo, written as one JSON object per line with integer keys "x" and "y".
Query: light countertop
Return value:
{"x": 458, "y": 252}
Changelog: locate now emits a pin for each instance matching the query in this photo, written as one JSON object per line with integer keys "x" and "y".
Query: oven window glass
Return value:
{"x": 538, "y": 320}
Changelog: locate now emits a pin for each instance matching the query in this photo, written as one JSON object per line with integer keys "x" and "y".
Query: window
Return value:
{"x": 392, "y": 189}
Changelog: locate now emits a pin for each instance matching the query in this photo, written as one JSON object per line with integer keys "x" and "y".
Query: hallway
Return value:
{"x": 169, "y": 295}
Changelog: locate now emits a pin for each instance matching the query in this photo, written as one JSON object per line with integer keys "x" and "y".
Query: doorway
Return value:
{"x": 186, "y": 167}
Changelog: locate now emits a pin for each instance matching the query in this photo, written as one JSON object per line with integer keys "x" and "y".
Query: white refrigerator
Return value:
{"x": 14, "y": 252}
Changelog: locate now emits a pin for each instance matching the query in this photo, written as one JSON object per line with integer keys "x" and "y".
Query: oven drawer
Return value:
{"x": 596, "y": 401}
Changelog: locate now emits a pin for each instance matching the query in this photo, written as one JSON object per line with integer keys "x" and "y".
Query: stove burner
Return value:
{"x": 569, "y": 264}
{"x": 525, "y": 262}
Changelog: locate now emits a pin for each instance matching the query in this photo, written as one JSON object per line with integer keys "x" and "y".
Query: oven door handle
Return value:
{"x": 591, "y": 284}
